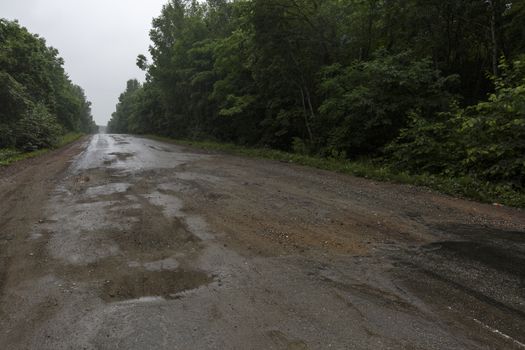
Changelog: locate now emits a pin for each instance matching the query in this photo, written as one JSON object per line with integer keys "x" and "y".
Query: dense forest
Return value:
{"x": 38, "y": 102}
{"x": 425, "y": 86}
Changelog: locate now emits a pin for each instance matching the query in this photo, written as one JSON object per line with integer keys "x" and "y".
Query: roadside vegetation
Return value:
{"x": 12, "y": 155}
{"x": 426, "y": 92}
{"x": 40, "y": 108}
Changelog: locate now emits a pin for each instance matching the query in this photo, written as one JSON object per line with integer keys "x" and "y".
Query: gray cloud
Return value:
{"x": 98, "y": 39}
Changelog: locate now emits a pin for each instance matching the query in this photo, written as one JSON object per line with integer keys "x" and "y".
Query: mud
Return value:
{"x": 166, "y": 284}
{"x": 124, "y": 242}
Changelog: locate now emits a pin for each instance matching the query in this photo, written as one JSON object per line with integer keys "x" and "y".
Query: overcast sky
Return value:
{"x": 98, "y": 39}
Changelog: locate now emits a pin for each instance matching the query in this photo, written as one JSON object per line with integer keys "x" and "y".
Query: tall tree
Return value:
{"x": 35, "y": 88}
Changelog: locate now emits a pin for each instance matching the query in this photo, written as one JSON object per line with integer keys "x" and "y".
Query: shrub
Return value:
{"x": 37, "y": 129}
{"x": 486, "y": 141}
{"x": 7, "y": 137}
{"x": 428, "y": 145}
{"x": 369, "y": 102}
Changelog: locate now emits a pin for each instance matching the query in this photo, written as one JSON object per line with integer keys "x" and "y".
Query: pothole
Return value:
{"x": 121, "y": 156}
{"x": 107, "y": 189}
{"x": 141, "y": 283}
{"x": 160, "y": 265}
{"x": 162, "y": 149}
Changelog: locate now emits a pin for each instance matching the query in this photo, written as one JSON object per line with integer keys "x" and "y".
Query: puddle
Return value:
{"x": 173, "y": 208}
{"x": 35, "y": 236}
{"x": 168, "y": 188}
{"x": 108, "y": 189}
{"x": 198, "y": 227}
{"x": 161, "y": 265}
{"x": 141, "y": 284}
{"x": 122, "y": 156}
{"x": 189, "y": 176}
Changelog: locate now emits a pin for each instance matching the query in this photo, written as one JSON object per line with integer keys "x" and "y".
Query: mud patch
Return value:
{"x": 161, "y": 265}
{"x": 81, "y": 179}
{"x": 108, "y": 189}
{"x": 165, "y": 284}
{"x": 121, "y": 156}
{"x": 161, "y": 149}
{"x": 283, "y": 342}
{"x": 499, "y": 258}
{"x": 475, "y": 275}
{"x": 475, "y": 245}
{"x": 480, "y": 232}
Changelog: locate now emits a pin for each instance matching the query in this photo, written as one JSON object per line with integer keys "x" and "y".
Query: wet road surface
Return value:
{"x": 138, "y": 244}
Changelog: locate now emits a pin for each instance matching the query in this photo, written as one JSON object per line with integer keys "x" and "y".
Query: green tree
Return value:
{"x": 366, "y": 104}
{"x": 33, "y": 81}
{"x": 486, "y": 140}
{"x": 340, "y": 78}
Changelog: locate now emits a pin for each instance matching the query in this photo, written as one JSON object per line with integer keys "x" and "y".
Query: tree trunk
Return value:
{"x": 494, "y": 38}
{"x": 306, "y": 121}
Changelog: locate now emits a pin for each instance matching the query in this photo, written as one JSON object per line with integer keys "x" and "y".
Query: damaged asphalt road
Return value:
{"x": 119, "y": 242}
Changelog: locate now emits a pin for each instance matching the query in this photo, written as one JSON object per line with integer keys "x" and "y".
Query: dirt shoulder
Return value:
{"x": 25, "y": 187}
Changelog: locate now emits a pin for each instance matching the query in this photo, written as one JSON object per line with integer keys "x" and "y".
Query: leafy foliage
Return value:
{"x": 366, "y": 104}
{"x": 37, "y": 129}
{"x": 37, "y": 100}
{"x": 404, "y": 82}
{"x": 486, "y": 140}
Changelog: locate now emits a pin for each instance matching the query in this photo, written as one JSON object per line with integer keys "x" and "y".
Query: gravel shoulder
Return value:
{"x": 122, "y": 242}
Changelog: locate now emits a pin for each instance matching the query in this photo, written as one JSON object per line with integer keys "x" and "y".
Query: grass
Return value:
{"x": 465, "y": 187}
{"x": 9, "y": 155}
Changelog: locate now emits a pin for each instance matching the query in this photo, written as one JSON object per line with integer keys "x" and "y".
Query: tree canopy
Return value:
{"x": 38, "y": 100}
{"x": 353, "y": 78}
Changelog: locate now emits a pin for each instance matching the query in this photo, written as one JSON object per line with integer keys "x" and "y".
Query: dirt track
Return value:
{"x": 119, "y": 242}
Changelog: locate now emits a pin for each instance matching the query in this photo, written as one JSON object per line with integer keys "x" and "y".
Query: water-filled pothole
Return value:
{"x": 141, "y": 283}
{"x": 122, "y": 156}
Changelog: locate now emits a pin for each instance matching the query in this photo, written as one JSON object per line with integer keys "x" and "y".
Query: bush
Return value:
{"x": 494, "y": 131}
{"x": 7, "y": 153}
{"x": 428, "y": 145}
{"x": 37, "y": 129}
{"x": 366, "y": 104}
{"x": 485, "y": 141}
{"x": 7, "y": 137}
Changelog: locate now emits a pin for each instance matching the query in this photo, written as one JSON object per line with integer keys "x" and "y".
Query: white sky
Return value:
{"x": 98, "y": 39}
